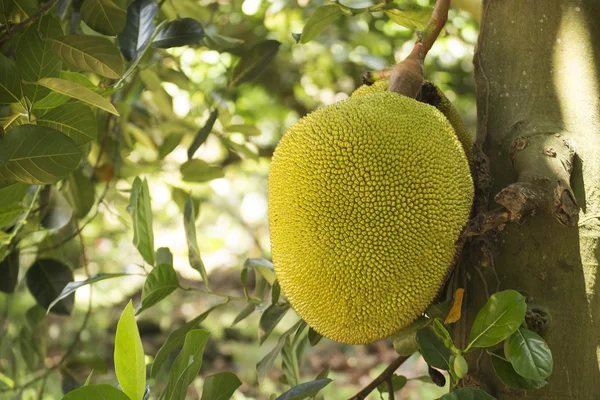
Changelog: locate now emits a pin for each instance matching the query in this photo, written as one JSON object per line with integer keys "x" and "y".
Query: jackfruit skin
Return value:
{"x": 367, "y": 198}
{"x": 441, "y": 103}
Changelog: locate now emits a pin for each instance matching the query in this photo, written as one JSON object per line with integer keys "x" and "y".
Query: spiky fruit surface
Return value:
{"x": 367, "y": 198}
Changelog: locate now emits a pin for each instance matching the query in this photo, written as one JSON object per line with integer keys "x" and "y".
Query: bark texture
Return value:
{"x": 538, "y": 77}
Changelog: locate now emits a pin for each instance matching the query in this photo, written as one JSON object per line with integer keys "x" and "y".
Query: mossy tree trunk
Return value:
{"x": 538, "y": 81}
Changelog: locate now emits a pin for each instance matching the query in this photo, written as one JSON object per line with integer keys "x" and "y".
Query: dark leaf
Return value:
{"x": 180, "y": 32}
{"x": 269, "y": 320}
{"x": 529, "y": 354}
{"x": 467, "y": 394}
{"x": 405, "y": 341}
{"x": 304, "y": 390}
{"x": 254, "y": 62}
{"x": 398, "y": 382}
{"x": 246, "y": 311}
{"x": 46, "y": 279}
{"x": 139, "y": 27}
{"x": 75, "y": 120}
{"x": 103, "y": 16}
{"x": 436, "y": 376}
{"x": 320, "y": 18}
{"x": 10, "y": 87}
{"x": 220, "y": 386}
{"x": 510, "y": 377}
{"x": 433, "y": 349}
{"x": 169, "y": 144}
{"x": 160, "y": 283}
{"x": 313, "y": 337}
{"x": 266, "y": 363}
{"x": 9, "y": 272}
{"x": 203, "y": 133}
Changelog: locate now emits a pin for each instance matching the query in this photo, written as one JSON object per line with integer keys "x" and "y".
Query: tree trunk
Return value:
{"x": 537, "y": 73}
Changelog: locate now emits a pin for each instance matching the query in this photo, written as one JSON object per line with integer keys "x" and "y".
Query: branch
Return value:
{"x": 385, "y": 376}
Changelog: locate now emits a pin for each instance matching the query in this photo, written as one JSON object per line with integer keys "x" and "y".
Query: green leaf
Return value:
{"x": 96, "y": 392}
{"x": 263, "y": 266}
{"x": 220, "y": 386}
{"x": 13, "y": 193}
{"x": 199, "y": 171}
{"x": 89, "y": 53}
{"x": 139, "y": 27}
{"x": 275, "y": 292}
{"x": 246, "y": 311}
{"x": 71, "y": 287}
{"x": 398, "y": 382}
{"x": 189, "y": 222}
{"x": 187, "y": 364}
{"x": 507, "y": 374}
{"x": 103, "y": 16}
{"x": 433, "y": 349}
{"x": 75, "y": 120}
{"x": 253, "y": 63}
{"x": 304, "y": 390}
{"x": 10, "y": 82}
{"x": 9, "y": 272}
{"x": 56, "y": 99}
{"x": 130, "y": 366}
{"x": 56, "y": 210}
{"x": 175, "y": 339}
{"x": 46, "y": 279}
{"x": 79, "y": 92}
{"x": 160, "y": 283}
{"x": 248, "y": 130}
{"x": 291, "y": 356}
{"x": 203, "y": 133}
{"x": 529, "y": 354}
{"x": 79, "y": 191}
{"x": 164, "y": 256}
{"x": 269, "y": 320}
{"x": 405, "y": 340}
{"x": 9, "y": 213}
{"x": 314, "y": 337}
{"x": 467, "y": 394}
{"x": 180, "y": 32}
{"x": 411, "y": 19}
{"x": 220, "y": 43}
{"x": 266, "y": 363}
{"x": 34, "y": 56}
{"x": 169, "y": 144}
{"x": 498, "y": 319}
{"x": 320, "y": 18}
{"x": 141, "y": 215}
{"x": 38, "y": 155}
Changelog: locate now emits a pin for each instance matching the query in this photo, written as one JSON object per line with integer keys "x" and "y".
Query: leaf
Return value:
{"x": 13, "y": 193}
{"x": 314, "y": 337}
{"x": 96, "y": 392}
{"x": 304, "y": 390}
{"x": 269, "y": 320}
{"x": 253, "y": 63}
{"x": 130, "y": 366}
{"x": 263, "y": 266}
{"x": 507, "y": 374}
{"x": 56, "y": 210}
{"x": 9, "y": 213}
{"x": 220, "y": 386}
{"x": 454, "y": 314}
{"x": 141, "y": 215}
{"x": 203, "y": 133}
{"x": 103, "y": 16}
{"x": 89, "y": 53}
{"x": 175, "y": 339}
{"x": 56, "y": 99}
{"x": 411, "y": 19}
{"x": 405, "y": 341}
{"x": 220, "y": 43}
{"x": 319, "y": 19}
{"x": 160, "y": 283}
{"x": 34, "y": 56}
{"x": 275, "y": 292}
{"x": 71, "y": 287}
{"x": 266, "y": 363}
{"x": 433, "y": 349}
{"x": 189, "y": 222}
{"x": 199, "y": 171}
{"x": 169, "y": 144}
{"x": 529, "y": 354}
{"x": 46, "y": 279}
{"x": 180, "y": 32}
{"x": 9, "y": 272}
{"x": 10, "y": 82}
{"x": 246, "y": 311}
{"x": 79, "y": 92}
{"x": 164, "y": 256}
{"x": 498, "y": 319}
{"x": 467, "y": 394}
{"x": 187, "y": 364}
{"x": 139, "y": 27}
{"x": 398, "y": 382}
{"x": 248, "y": 130}
{"x": 79, "y": 191}
{"x": 75, "y": 120}
{"x": 291, "y": 356}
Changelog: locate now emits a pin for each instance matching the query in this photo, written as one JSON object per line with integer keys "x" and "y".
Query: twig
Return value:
{"x": 10, "y": 29}
{"x": 390, "y": 385}
{"x": 383, "y": 377}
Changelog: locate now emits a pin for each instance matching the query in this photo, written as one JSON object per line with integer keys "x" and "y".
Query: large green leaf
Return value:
{"x": 180, "y": 32}
{"x": 529, "y": 354}
{"x": 138, "y": 28}
{"x": 38, "y": 155}
{"x": 141, "y": 215}
{"x": 160, "y": 283}
{"x": 10, "y": 81}
{"x": 9, "y": 272}
{"x": 189, "y": 223}
{"x": 411, "y": 19}
{"x": 89, "y": 53}
{"x": 467, "y": 394}
{"x": 34, "y": 56}
{"x": 203, "y": 133}
{"x": 269, "y": 320}
{"x": 253, "y": 63}
{"x": 46, "y": 279}
{"x": 187, "y": 364}
{"x": 71, "y": 287}
{"x": 75, "y": 120}
{"x": 263, "y": 266}
{"x": 319, "y": 19}
{"x": 79, "y": 92}
{"x": 103, "y": 16}
{"x": 498, "y": 319}
{"x": 433, "y": 349}
{"x": 130, "y": 366}
{"x": 96, "y": 392}
{"x": 405, "y": 340}
{"x": 9, "y": 212}
{"x": 176, "y": 338}
{"x": 56, "y": 99}
{"x": 304, "y": 390}
{"x": 220, "y": 386}
{"x": 199, "y": 171}
{"x": 507, "y": 374}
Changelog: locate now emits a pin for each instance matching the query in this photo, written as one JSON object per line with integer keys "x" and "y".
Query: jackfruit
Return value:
{"x": 367, "y": 198}
{"x": 433, "y": 95}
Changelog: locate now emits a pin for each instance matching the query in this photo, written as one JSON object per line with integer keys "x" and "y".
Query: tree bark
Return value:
{"x": 537, "y": 69}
